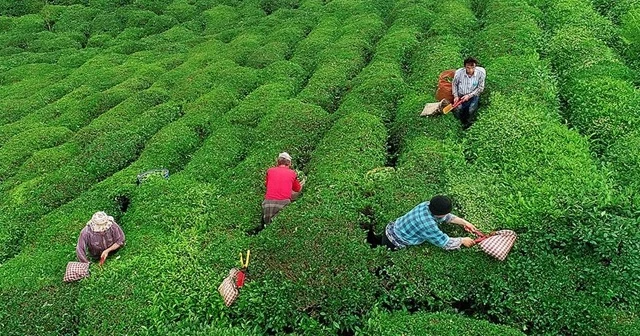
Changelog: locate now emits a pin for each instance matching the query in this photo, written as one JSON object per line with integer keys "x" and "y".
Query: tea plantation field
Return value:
{"x": 94, "y": 92}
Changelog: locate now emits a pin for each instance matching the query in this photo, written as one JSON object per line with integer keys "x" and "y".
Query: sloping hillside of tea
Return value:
{"x": 95, "y": 92}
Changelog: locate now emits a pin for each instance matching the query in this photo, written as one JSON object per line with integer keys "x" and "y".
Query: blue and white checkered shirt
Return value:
{"x": 420, "y": 225}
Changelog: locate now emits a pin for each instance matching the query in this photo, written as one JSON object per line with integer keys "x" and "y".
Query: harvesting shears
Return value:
{"x": 244, "y": 263}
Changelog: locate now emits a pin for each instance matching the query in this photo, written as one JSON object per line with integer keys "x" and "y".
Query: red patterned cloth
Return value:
{"x": 76, "y": 271}
{"x": 228, "y": 288}
{"x": 498, "y": 244}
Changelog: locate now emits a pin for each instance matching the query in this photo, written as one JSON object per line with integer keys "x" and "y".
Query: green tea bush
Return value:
{"x": 233, "y": 76}
{"x": 99, "y": 41}
{"x": 432, "y": 324}
{"x": 14, "y": 109}
{"x": 505, "y": 12}
{"x": 156, "y": 6}
{"x": 108, "y": 4}
{"x": 289, "y": 36}
{"x": 615, "y": 10}
{"x": 219, "y": 18}
{"x": 244, "y": 47}
{"x": 21, "y": 146}
{"x": 578, "y": 14}
{"x": 47, "y": 41}
{"x": 573, "y": 50}
{"x": 173, "y": 146}
{"x": 135, "y": 18}
{"x": 341, "y": 62}
{"x": 377, "y": 88}
{"x": 182, "y": 10}
{"x": 407, "y": 14}
{"x": 20, "y": 8}
{"x": 24, "y": 81}
{"x": 255, "y": 105}
{"x": 325, "y": 33}
{"x": 397, "y": 46}
{"x": 602, "y": 107}
{"x": 159, "y": 24}
{"x": 83, "y": 112}
{"x": 630, "y": 32}
{"x": 623, "y": 154}
{"x": 100, "y": 157}
{"x": 423, "y": 73}
{"x": 283, "y": 72}
{"x": 344, "y": 9}
{"x": 76, "y": 18}
{"x": 40, "y": 117}
{"x": 293, "y": 125}
{"x": 110, "y": 23}
{"x": 526, "y": 74}
{"x": 42, "y": 162}
{"x": 270, "y": 6}
{"x": 453, "y": 18}
{"x": 513, "y": 38}
{"x": 302, "y": 245}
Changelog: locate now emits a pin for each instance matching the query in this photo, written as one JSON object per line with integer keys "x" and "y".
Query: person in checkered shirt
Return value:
{"x": 421, "y": 225}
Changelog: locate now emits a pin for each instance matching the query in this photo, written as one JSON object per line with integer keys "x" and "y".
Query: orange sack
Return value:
{"x": 444, "y": 85}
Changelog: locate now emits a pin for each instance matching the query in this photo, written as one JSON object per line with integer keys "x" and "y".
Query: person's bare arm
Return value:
{"x": 464, "y": 223}
{"x": 106, "y": 252}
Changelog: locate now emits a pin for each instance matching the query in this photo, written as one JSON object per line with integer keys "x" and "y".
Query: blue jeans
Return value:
{"x": 466, "y": 112}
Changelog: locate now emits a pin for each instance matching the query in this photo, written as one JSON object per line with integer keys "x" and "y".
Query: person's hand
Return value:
{"x": 304, "y": 180}
{"x": 470, "y": 227}
{"x": 465, "y": 98}
{"x": 455, "y": 100}
{"x": 104, "y": 255}
{"x": 468, "y": 242}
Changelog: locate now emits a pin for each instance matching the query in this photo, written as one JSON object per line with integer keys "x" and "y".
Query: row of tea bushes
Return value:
{"x": 530, "y": 173}
{"x": 341, "y": 61}
{"x": 170, "y": 146}
{"x": 599, "y": 91}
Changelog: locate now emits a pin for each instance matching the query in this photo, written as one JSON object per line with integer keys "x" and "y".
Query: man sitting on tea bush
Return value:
{"x": 468, "y": 84}
{"x": 421, "y": 224}
{"x": 282, "y": 187}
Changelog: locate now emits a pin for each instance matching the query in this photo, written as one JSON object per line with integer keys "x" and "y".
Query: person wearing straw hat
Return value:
{"x": 421, "y": 225}
{"x": 101, "y": 236}
{"x": 282, "y": 187}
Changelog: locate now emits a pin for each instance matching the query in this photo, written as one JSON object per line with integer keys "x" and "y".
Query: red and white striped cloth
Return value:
{"x": 228, "y": 288}
{"x": 76, "y": 271}
{"x": 497, "y": 244}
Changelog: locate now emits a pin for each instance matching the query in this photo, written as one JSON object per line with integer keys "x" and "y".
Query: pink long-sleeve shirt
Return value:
{"x": 97, "y": 242}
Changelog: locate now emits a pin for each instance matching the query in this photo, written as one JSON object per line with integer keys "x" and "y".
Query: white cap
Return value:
{"x": 284, "y": 155}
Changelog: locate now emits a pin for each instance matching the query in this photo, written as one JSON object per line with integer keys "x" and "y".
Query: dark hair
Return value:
{"x": 440, "y": 205}
{"x": 470, "y": 60}
{"x": 283, "y": 161}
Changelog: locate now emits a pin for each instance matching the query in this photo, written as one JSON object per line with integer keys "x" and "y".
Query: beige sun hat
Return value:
{"x": 284, "y": 155}
{"x": 100, "y": 222}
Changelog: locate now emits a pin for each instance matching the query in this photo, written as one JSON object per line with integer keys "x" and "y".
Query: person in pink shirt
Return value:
{"x": 101, "y": 236}
{"x": 282, "y": 187}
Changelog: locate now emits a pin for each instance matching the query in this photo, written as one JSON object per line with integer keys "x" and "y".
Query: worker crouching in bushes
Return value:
{"x": 101, "y": 236}
{"x": 421, "y": 225}
{"x": 282, "y": 187}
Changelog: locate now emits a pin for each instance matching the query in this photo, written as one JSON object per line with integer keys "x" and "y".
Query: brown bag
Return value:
{"x": 228, "y": 288}
{"x": 444, "y": 85}
{"x": 76, "y": 271}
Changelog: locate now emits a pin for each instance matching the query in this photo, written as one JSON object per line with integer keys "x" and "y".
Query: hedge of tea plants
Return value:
{"x": 589, "y": 72}
{"x": 95, "y": 92}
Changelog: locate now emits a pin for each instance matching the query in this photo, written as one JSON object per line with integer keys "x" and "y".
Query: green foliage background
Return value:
{"x": 94, "y": 92}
